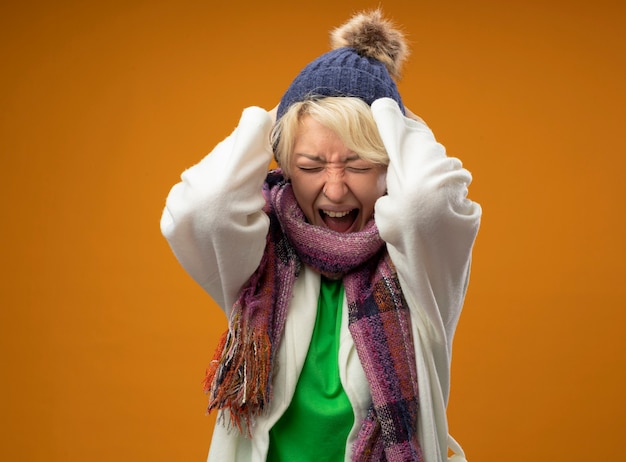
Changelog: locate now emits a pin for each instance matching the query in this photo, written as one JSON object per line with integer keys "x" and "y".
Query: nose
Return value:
{"x": 335, "y": 187}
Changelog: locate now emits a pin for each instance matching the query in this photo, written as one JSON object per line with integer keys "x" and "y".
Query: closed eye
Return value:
{"x": 309, "y": 169}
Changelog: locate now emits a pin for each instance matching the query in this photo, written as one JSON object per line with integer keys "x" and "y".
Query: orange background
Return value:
{"x": 104, "y": 338}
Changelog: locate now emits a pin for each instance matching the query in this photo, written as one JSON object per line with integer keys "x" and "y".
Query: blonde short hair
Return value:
{"x": 350, "y": 118}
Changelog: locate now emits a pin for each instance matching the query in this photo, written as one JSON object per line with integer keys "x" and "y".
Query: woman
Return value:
{"x": 343, "y": 273}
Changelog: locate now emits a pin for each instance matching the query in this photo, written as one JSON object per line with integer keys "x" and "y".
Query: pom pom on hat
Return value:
{"x": 367, "y": 55}
{"x": 372, "y": 35}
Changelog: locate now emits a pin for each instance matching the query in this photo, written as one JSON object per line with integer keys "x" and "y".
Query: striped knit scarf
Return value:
{"x": 239, "y": 377}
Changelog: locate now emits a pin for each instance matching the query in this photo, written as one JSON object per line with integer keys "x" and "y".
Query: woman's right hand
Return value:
{"x": 273, "y": 112}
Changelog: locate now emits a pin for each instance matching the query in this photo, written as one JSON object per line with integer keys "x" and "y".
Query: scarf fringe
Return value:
{"x": 238, "y": 378}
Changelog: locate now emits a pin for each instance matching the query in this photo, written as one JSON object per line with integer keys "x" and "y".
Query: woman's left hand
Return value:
{"x": 413, "y": 116}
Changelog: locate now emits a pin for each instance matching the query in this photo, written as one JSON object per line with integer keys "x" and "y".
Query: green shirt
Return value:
{"x": 316, "y": 424}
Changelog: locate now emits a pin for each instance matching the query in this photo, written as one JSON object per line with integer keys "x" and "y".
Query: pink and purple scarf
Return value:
{"x": 239, "y": 377}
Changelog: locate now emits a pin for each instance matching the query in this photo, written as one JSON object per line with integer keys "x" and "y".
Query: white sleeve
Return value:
{"x": 426, "y": 218}
{"x": 213, "y": 218}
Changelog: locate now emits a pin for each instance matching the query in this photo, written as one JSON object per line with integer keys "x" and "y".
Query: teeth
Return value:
{"x": 332, "y": 214}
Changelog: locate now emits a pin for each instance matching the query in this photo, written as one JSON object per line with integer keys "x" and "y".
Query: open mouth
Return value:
{"x": 342, "y": 222}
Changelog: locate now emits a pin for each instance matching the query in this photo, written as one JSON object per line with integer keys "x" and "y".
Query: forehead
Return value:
{"x": 315, "y": 139}
{"x": 310, "y": 129}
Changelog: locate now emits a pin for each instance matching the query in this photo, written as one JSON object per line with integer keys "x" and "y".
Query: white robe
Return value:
{"x": 215, "y": 226}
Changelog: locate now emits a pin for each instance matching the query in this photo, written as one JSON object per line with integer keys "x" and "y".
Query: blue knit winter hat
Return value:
{"x": 367, "y": 55}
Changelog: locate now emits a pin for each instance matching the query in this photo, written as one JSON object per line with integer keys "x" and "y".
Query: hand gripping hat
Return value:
{"x": 367, "y": 54}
